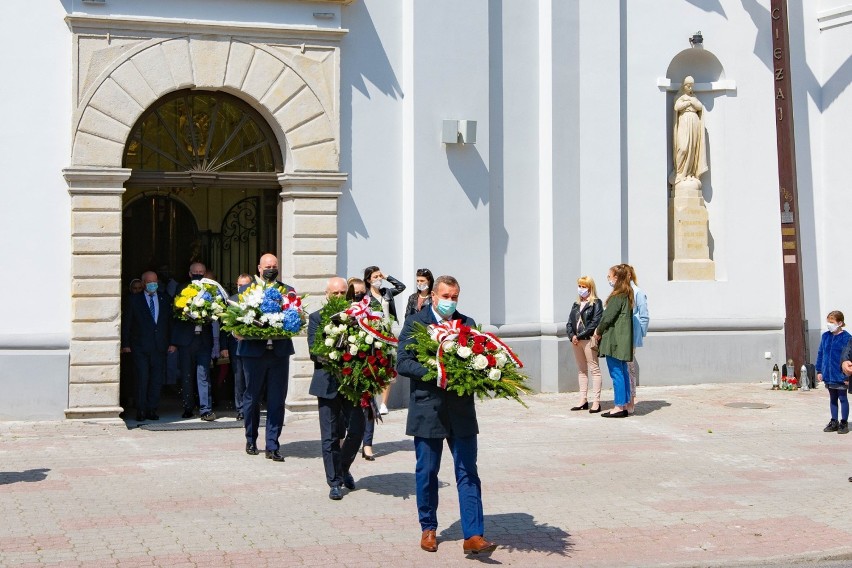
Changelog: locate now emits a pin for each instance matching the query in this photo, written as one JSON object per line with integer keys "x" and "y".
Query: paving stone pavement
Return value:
{"x": 687, "y": 481}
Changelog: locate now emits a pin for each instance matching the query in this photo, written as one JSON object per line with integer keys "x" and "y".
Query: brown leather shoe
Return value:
{"x": 428, "y": 542}
{"x": 478, "y": 545}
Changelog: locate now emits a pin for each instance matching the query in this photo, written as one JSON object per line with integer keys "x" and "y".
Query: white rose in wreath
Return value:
{"x": 333, "y": 355}
{"x": 329, "y": 342}
{"x": 479, "y": 362}
{"x": 352, "y": 339}
{"x": 353, "y": 350}
{"x": 450, "y": 346}
{"x": 464, "y": 352}
{"x": 495, "y": 374}
{"x": 501, "y": 359}
{"x": 368, "y": 340}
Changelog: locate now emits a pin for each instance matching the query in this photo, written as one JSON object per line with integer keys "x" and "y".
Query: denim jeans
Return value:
{"x": 620, "y": 380}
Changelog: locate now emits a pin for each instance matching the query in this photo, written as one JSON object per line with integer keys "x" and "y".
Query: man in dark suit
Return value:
{"x": 266, "y": 364}
{"x": 195, "y": 352}
{"x": 145, "y": 334}
{"x": 230, "y": 352}
{"x": 435, "y": 414}
{"x": 337, "y": 415}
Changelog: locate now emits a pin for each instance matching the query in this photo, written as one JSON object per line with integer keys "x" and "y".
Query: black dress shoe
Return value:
{"x": 187, "y": 413}
{"x": 584, "y": 406}
{"x": 366, "y": 457}
{"x": 595, "y": 410}
{"x": 349, "y": 481}
{"x": 274, "y": 455}
{"x": 611, "y": 414}
{"x": 251, "y": 449}
{"x": 153, "y": 416}
{"x": 208, "y": 416}
{"x": 140, "y": 416}
{"x": 240, "y": 416}
{"x": 335, "y": 493}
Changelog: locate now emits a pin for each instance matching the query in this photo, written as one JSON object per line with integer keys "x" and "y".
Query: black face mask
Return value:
{"x": 270, "y": 274}
{"x": 196, "y": 276}
{"x": 359, "y": 296}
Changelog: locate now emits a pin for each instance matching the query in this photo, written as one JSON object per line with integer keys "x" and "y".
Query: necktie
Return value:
{"x": 151, "y": 307}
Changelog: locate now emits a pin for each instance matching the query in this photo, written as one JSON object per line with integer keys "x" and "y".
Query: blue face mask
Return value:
{"x": 446, "y": 307}
{"x": 151, "y": 287}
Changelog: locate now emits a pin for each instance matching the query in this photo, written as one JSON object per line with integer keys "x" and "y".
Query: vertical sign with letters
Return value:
{"x": 794, "y": 323}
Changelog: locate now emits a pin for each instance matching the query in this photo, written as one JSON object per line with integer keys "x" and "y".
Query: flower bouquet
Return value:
{"x": 202, "y": 301}
{"x": 357, "y": 346}
{"x": 468, "y": 361}
{"x": 789, "y": 383}
{"x": 265, "y": 310}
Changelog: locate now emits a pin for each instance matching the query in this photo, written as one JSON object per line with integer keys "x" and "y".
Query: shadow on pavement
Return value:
{"x": 30, "y": 475}
{"x": 644, "y": 407}
{"x": 387, "y": 448}
{"x": 391, "y": 484}
{"x": 518, "y": 532}
{"x": 300, "y": 449}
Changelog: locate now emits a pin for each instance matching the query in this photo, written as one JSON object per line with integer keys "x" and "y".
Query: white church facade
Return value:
{"x": 142, "y": 135}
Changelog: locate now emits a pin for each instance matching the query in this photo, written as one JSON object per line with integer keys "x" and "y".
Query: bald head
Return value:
{"x": 267, "y": 267}
{"x": 197, "y": 270}
{"x": 335, "y": 287}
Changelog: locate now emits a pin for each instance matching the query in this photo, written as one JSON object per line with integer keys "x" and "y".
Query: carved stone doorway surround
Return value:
{"x": 121, "y": 66}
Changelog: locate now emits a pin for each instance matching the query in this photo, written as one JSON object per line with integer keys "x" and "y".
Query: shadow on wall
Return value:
{"x": 710, "y": 6}
{"x": 362, "y": 63}
{"x": 470, "y": 171}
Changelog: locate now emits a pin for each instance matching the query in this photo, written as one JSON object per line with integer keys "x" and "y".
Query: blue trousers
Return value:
{"x": 195, "y": 361}
{"x": 620, "y": 380}
{"x": 150, "y": 374}
{"x": 268, "y": 373}
{"x": 339, "y": 419}
{"x": 839, "y": 395}
{"x": 428, "y": 453}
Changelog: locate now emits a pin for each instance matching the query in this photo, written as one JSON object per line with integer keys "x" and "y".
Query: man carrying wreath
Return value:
{"x": 266, "y": 364}
{"x": 436, "y": 414}
{"x": 337, "y": 414}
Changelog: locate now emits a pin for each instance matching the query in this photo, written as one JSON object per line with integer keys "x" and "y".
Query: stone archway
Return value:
{"x": 294, "y": 86}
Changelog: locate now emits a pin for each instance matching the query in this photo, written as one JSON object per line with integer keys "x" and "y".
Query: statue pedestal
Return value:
{"x": 689, "y": 236}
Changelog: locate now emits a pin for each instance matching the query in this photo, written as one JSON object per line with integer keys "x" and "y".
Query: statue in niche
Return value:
{"x": 689, "y": 153}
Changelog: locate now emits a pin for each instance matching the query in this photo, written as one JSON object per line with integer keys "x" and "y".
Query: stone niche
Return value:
{"x": 122, "y": 65}
{"x": 690, "y": 241}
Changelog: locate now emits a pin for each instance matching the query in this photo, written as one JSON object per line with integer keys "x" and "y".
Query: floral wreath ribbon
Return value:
{"x": 362, "y": 314}
{"x": 451, "y": 330}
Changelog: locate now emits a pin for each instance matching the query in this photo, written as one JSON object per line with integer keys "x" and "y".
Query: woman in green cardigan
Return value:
{"x": 615, "y": 337}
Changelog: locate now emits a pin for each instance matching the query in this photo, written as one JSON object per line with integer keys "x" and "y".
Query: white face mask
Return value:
{"x": 583, "y": 292}
{"x": 422, "y": 287}
{"x": 832, "y": 327}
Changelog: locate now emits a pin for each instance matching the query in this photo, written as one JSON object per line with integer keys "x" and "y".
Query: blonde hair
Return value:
{"x": 588, "y": 282}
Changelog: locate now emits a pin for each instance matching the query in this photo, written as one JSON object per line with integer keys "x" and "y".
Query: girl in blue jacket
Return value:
{"x": 828, "y": 370}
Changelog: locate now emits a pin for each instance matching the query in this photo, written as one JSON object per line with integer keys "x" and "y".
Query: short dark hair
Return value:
{"x": 448, "y": 280}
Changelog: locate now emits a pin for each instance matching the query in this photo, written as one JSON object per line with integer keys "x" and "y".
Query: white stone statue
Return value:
{"x": 690, "y": 156}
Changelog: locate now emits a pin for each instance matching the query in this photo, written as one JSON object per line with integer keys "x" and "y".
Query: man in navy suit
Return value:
{"x": 436, "y": 414}
{"x": 195, "y": 352}
{"x": 230, "y": 352}
{"x": 145, "y": 334}
{"x": 266, "y": 364}
{"x": 336, "y": 413}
